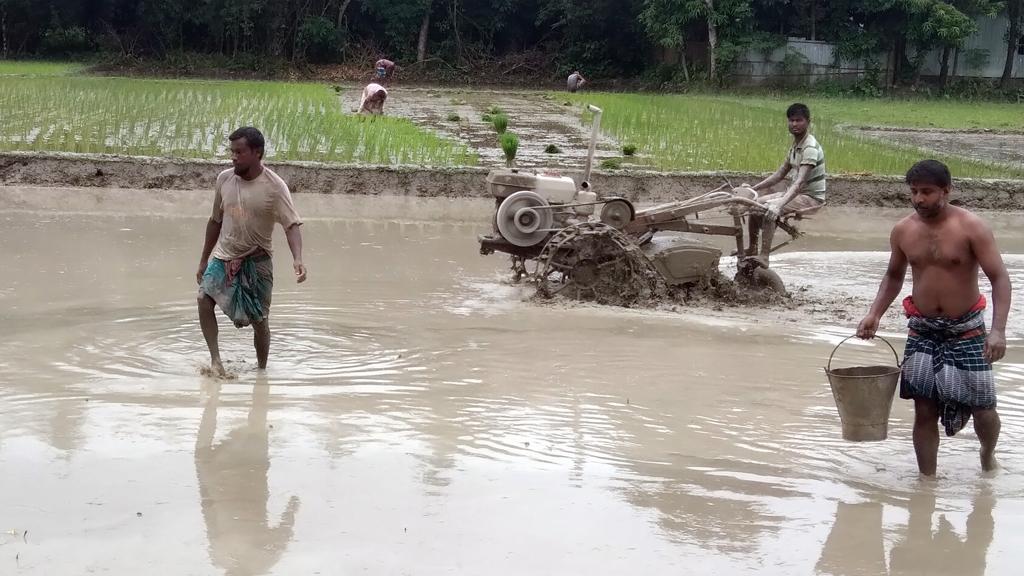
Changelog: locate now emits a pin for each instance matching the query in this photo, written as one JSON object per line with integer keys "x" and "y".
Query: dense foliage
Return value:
{"x": 607, "y": 38}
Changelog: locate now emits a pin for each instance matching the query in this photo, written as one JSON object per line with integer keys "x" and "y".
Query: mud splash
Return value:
{"x": 721, "y": 297}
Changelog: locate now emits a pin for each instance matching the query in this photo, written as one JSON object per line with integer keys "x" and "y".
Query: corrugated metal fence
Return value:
{"x": 802, "y": 61}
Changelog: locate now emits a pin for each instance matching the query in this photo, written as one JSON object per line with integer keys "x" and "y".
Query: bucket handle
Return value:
{"x": 843, "y": 341}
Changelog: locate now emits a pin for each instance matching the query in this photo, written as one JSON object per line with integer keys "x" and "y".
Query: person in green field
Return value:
{"x": 805, "y": 167}
{"x": 575, "y": 81}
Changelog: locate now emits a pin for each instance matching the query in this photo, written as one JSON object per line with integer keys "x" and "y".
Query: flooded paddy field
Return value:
{"x": 538, "y": 118}
{"x": 997, "y": 147}
{"x": 421, "y": 415}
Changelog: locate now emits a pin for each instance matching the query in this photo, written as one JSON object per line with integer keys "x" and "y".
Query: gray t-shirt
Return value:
{"x": 248, "y": 210}
{"x": 574, "y": 82}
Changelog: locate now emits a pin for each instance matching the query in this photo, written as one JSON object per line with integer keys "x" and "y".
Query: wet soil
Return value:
{"x": 538, "y": 120}
{"x": 985, "y": 146}
{"x": 168, "y": 176}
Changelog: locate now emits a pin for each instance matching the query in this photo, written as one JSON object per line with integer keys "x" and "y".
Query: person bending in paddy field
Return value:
{"x": 384, "y": 71}
{"x": 372, "y": 100}
{"x": 575, "y": 81}
{"x": 248, "y": 200}
{"x": 947, "y": 365}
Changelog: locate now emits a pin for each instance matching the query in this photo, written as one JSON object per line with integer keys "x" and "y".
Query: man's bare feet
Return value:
{"x": 988, "y": 460}
{"x": 217, "y": 368}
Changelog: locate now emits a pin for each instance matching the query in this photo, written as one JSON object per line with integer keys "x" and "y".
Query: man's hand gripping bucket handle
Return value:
{"x": 828, "y": 368}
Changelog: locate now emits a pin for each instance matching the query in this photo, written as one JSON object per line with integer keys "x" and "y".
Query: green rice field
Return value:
{"x": 942, "y": 114}
{"x": 682, "y": 132}
{"x": 56, "y": 107}
{"x": 190, "y": 119}
{"x": 21, "y": 68}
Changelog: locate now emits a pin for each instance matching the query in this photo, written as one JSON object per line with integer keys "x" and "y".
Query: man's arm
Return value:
{"x": 774, "y": 178}
{"x": 797, "y": 186}
{"x": 983, "y": 243}
{"x": 212, "y": 234}
{"x": 213, "y": 226}
{"x": 294, "y": 236}
{"x": 890, "y": 287}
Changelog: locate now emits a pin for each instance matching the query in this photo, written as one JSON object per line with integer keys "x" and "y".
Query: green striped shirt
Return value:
{"x": 808, "y": 151}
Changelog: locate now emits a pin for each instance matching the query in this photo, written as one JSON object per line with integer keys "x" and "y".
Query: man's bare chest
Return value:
{"x": 938, "y": 248}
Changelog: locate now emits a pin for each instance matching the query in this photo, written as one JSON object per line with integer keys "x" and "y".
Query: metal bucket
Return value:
{"x": 864, "y": 396}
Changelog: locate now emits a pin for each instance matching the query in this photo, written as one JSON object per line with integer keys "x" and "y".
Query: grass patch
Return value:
{"x": 697, "y": 133}
{"x": 905, "y": 113}
{"x": 611, "y": 163}
{"x": 509, "y": 145}
{"x": 500, "y": 122}
{"x": 191, "y": 119}
{"x": 34, "y": 68}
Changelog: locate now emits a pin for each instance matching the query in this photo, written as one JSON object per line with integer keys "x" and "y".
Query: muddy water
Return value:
{"x": 536, "y": 119}
{"x": 419, "y": 417}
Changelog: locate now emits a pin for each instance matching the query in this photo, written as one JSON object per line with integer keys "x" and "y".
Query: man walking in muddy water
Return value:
{"x": 947, "y": 366}
{"x": 248, "y": 200}
{"x": 805, "y": 163}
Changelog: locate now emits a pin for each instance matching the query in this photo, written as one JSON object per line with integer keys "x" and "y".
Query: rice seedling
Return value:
{"x": 611, "y": 163}
{"x": 629, "y": 150}
{"x": 509, "y": 145}
{"x": 698, "y": 133}
{"x": 552, "y": 149}
{"x": 453, "y": 117}
{"x": 192, "y": 119}
{"x": 495, "y": 110}
{"x": 500, "y": 123}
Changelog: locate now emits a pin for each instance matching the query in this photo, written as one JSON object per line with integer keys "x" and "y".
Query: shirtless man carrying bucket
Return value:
{"x": 947, "y": 366}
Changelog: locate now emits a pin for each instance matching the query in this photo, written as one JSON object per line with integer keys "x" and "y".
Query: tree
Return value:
{"x": 971, "y": 9}
{"x": 402, "y": 21}
{"x": 666, "y": 22}
{"x": 1014, "y": 9}
{"x": 666, "y": 25}
{"x": 936, "y": 24}
{"x": 604, "y": 37}
{"x": 4, "y": 45}
{"x": 421, "y": 43}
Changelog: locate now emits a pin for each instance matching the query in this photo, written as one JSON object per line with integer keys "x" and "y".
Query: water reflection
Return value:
{"x": 924, "y": 550}
{"x": 855, "y": 544}
{"x": 720, "y": 505}
{"x": 413, "y": 368}
{"x": 234, "y": 493}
